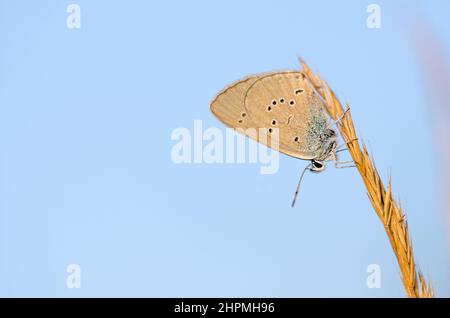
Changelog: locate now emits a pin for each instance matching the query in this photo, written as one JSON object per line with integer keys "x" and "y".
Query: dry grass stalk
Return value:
{"x": 387, "y": 210}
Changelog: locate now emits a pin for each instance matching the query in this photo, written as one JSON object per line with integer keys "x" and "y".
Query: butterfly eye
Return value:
{"x": 317, "y": 166}
{"x": 292, "y": 102}
{"x": 243, "y": 114}
{"x": 296, "y": 139}
{"x": 274, "y": 122}
{"x": 270, "y": 130}
{"x": 282, "y": 101}
{"x": 240, "y": 121}
{"x": 274, "y": 102}
{"x": 269, "y": 108}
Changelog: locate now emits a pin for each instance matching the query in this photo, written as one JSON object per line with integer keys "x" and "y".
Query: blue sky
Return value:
{"x": 86, "y": 175}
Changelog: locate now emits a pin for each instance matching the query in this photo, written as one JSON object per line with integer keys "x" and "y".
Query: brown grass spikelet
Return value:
{"x": 386, "y": 208}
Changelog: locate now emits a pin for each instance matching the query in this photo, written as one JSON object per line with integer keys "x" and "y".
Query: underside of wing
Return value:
{"x": 284, "y": 103}
{"x": 228, "y": 105}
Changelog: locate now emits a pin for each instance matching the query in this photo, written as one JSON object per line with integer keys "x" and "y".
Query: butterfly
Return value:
{"x": 288, "y": 103}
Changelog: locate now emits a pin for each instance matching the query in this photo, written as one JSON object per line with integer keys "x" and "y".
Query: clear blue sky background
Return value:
{"x": 85, "y": 169}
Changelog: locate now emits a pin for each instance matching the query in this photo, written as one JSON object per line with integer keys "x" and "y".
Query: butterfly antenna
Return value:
{"x": 298, "y": 185}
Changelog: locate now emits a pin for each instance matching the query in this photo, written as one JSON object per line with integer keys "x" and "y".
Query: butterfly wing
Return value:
{"x": 286, "y": 101}
{"x": 228, "y": 105}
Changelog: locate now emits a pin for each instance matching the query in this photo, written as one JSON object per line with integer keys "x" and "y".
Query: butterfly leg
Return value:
{"x": 344, "y": 147}
{"x": 351, "y": 141}
{"x": 341, "y": 148}
{"x": 338, "y": 121}
{"x": 342, "y": 164}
